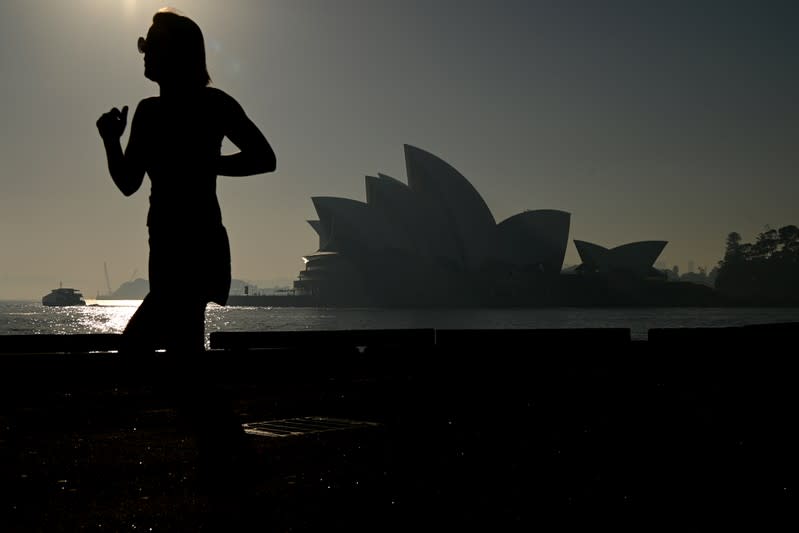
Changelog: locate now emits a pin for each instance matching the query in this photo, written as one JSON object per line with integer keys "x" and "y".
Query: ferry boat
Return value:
{"x": 63, "y": 296}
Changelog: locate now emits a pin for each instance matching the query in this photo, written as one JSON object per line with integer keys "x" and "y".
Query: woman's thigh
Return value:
{"x": 163, "y": 322}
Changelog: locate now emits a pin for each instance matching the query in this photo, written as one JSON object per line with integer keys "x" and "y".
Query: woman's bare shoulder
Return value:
{"x": 145, "y": 105}
{"x": 222, "y": 98}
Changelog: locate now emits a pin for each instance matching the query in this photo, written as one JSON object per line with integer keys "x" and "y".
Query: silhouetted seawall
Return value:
{"x": 499, "y": 430}
{"x": 560, "y": 291}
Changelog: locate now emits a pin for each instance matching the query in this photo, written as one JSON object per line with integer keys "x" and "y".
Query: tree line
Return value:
{"x": 765, "y": 272}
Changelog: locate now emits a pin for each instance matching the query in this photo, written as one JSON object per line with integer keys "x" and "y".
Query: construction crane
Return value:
{"x": 107, "y": 279}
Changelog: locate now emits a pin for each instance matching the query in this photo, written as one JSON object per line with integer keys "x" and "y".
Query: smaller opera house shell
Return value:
{"x": 430, "y": 241}
{"x": 635, "y": 259}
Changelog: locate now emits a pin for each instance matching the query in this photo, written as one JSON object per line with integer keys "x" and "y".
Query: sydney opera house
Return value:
{"x": 635, "y": 258}
{"x": 435, "y": 241}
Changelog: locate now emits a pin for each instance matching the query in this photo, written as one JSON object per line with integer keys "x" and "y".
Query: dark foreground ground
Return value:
{"x": 492, "y": 432}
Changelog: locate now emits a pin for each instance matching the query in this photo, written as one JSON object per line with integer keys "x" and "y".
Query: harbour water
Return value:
{"x": 20, "y": 318}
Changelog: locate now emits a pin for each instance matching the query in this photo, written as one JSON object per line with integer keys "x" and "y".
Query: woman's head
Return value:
{"x": 174, "y": 51}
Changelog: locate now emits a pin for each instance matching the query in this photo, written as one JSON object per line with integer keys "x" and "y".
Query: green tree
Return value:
{"x": 733, "y": 252}
{"x": 763, "y": 273}
{"x": 766, "y": 245}
{"x": 789, "y": 242}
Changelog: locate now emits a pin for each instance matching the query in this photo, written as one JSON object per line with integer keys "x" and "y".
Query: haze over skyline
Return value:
{"x": 672, "y": 122}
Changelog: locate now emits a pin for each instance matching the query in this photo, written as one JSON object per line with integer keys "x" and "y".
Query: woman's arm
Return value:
{"x": 127, "y": 169}
{"x": 255, "y": 156}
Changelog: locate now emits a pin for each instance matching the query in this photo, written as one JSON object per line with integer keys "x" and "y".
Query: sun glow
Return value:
{"x": 129, "y": 6}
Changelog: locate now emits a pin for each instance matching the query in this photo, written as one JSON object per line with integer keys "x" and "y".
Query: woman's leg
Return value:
{"x": 186, "y": 327}
{"x": 145, "y": 330}
{"x": 167, "y": 323}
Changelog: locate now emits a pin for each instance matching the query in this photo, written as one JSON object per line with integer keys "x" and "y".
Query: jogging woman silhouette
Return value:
{"x": 176, "y": 139}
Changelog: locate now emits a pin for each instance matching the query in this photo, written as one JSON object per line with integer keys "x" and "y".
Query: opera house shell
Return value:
{"x": 430, "y": 241}
{"x": 635, "y": 258}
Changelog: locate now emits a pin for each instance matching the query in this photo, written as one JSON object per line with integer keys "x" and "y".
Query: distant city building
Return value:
{"x": 702, "y": 277}
{"x": 433, "y": 240}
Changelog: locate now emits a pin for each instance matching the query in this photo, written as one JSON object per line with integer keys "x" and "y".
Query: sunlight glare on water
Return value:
{"x": 96, "y": 317}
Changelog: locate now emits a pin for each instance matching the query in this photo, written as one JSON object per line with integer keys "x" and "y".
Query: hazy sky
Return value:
{"x": 644, "y": 120}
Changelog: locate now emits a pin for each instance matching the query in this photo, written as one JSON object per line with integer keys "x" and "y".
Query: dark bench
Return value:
{"x": 530, "y": 338}
{"x": 330, "y": 339}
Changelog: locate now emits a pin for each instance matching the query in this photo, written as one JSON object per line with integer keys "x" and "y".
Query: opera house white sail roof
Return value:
{"x": 547, "y": 229}
{"x": 434, "y": 232}
{"x": 434, "y": 242}
{"x": 636, "y": 257}
{"x": 436, "y": 235}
